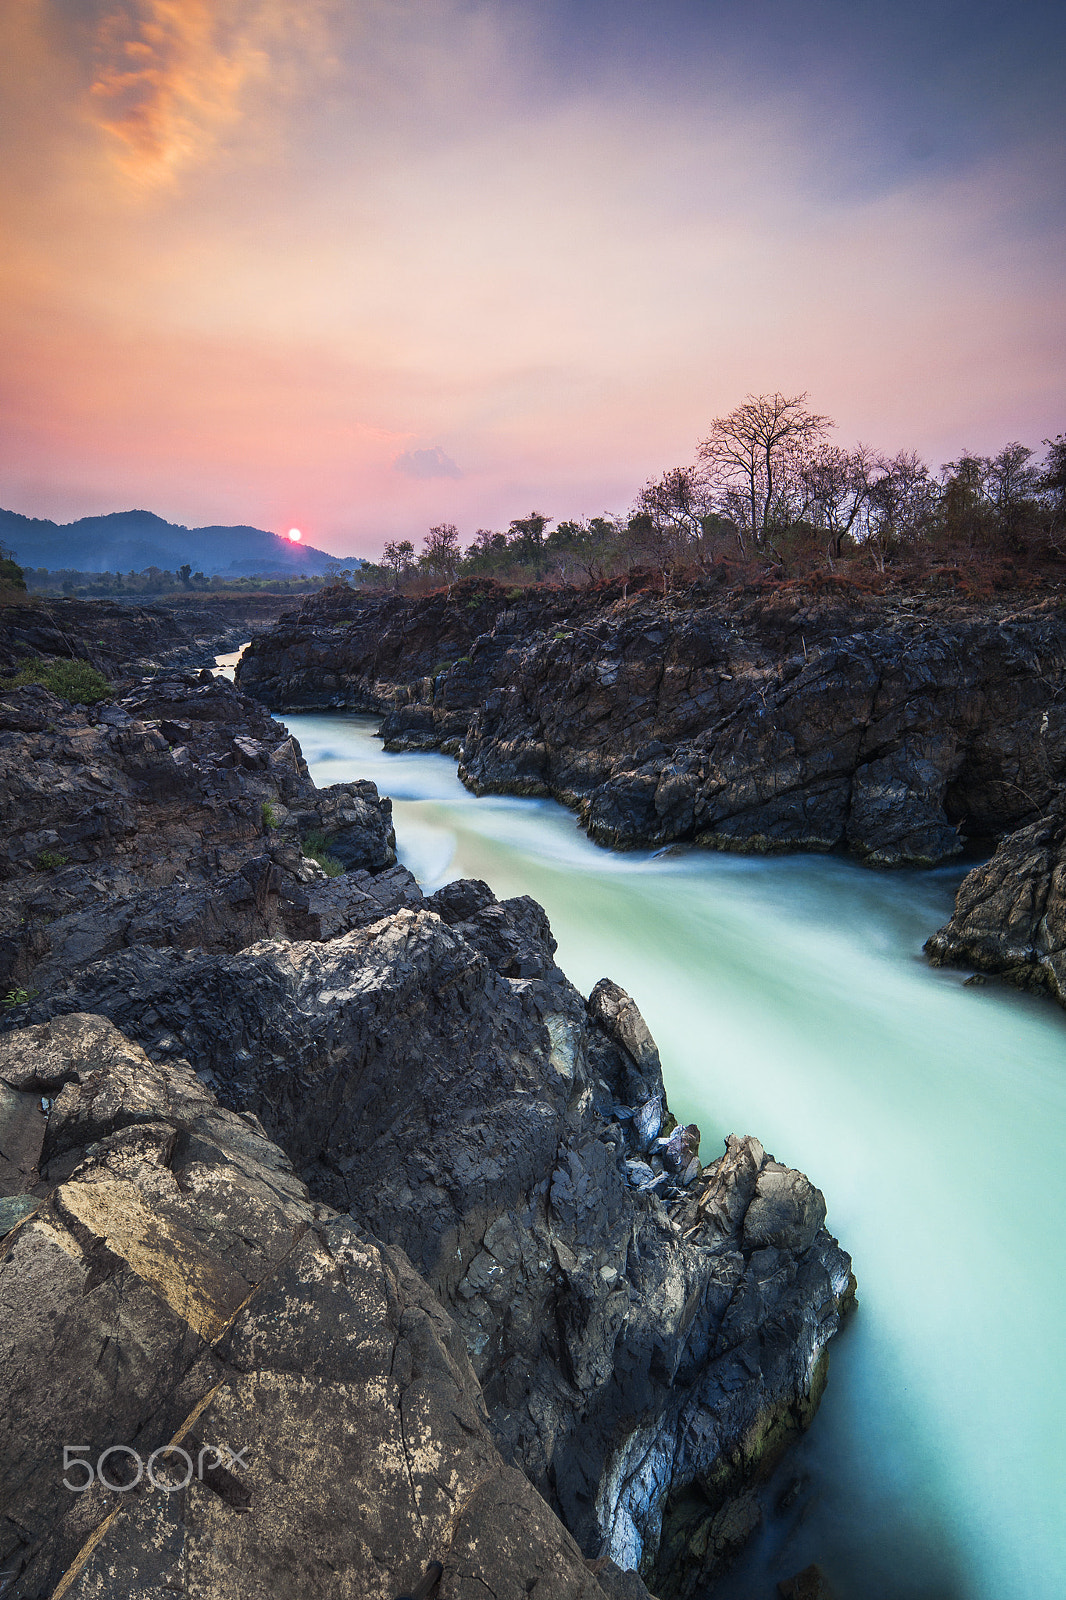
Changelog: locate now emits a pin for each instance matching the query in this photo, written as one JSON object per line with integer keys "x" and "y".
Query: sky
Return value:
{"x": 362, "y": 266}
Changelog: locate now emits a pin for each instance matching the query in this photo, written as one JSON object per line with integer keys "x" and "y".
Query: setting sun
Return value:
{"x": 295, "y": 535}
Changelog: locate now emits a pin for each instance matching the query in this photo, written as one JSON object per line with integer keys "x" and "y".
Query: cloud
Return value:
{"x": 426, "y": 464}
{"x": 171, "y": 75}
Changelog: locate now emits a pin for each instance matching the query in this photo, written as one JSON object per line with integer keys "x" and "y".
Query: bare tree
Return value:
{"x": 677, "y": 502}
{"x": 751, "y": 457}
{"x": 1013, "y": 486}
{"x": 903, "y": 501}
{"x": 836, "y": 487}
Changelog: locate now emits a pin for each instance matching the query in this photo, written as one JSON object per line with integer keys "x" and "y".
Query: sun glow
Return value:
{"x": 295, "y": 535}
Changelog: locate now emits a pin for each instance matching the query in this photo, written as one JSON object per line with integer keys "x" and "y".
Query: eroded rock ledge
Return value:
{"x": 1010, "y": 912}
{"x": 889, "y": 728}
{"x": 492, "y": 1236}
{"x": 172, "y": 816}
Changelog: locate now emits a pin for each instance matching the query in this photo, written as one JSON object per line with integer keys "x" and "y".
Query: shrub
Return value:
{"x": 75, "y": 681}
{"x": 270, "y": 816}
{"x": 316, "y": 845}
{"x": 50, "y": 860}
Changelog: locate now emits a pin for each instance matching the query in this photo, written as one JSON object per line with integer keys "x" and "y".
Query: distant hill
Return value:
{"x": 129, "y": 541}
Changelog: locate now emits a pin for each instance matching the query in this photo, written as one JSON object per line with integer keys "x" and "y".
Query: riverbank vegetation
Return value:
{"x": 770, "y": 495}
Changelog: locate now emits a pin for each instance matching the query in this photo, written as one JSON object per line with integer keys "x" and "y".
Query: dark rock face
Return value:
{"x": 647, "y": 1332}
{"x": 173, "y": 816}
{"x": 1010, "y": 913}
{"x": 171, "y": 1285}
{"x": 738, "y": 723}
{"x": 124, "y": 641}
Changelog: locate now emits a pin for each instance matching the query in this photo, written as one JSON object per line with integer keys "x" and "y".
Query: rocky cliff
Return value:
{"x": 487, "y": 1240}
{"x": 172, "y": 816}
{"x": 1010, "y": 912}
{"x": 896, "y": 729}
{"x": 123, "y": 642}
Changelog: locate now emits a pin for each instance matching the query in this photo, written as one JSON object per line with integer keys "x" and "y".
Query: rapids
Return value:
{"x": 790, "y": 999}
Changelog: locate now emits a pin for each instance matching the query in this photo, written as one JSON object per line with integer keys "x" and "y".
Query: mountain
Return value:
{"x": 129, "y": 541}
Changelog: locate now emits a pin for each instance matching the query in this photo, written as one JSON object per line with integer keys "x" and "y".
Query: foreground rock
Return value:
{"x": 738, "y": 721}
{"x": 648, "y": 1333}
{"x": 173, "y": 816}
{"x": 645, "y": 1332}
{"x": 1010, "y": 913}
{"x": 172, "y": 1287}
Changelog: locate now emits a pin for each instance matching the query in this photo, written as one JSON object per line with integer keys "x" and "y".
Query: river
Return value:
{"x": 790, "y": 999}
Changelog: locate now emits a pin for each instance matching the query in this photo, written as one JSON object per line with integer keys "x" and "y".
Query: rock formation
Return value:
{"x": 1010, "y": 912}
{"x": 506, "y": 1249}
{"x": 170, "y": 1294}
{"x": 124, "y": 641}
{"x": 647, "y": 1332}
{"x": 893, "y": 729}
{"x": 172, "y": 816}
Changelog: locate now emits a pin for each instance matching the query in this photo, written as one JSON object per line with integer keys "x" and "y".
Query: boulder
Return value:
{"x": 1010, "y": 912}
{"x": 215, "y": 1386}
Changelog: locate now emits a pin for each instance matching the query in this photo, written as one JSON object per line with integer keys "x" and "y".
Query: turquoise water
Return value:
{"x": 790, "y": 999}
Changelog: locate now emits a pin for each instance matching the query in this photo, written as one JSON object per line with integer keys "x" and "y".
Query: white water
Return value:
{"x": 790, "y": 999}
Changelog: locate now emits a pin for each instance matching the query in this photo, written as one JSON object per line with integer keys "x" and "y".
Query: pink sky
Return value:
{"x": 362, "y": 269}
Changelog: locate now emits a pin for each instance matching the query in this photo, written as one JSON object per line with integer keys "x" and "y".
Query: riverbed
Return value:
{"x": 790, "y": 999}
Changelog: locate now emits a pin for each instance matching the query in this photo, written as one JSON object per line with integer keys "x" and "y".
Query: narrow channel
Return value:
{"x": 790, "y": 999}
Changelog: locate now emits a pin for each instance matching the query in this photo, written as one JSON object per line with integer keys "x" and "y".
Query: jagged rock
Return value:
{"x": 175, "y": 1286}
{"x": 125, "y": 641}
{"x": 644, "y": 1348}
{"x": 740, "y": 723}
{"x": 172, "y": 817}
{"x": 1010, "y": 912}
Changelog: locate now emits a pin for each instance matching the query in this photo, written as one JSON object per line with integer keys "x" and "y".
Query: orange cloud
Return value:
{"x": 171, "y": 75}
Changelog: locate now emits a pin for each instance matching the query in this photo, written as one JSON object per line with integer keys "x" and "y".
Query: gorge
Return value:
{"x": 790, "y": 996}
{"x": 647, "y": 1332}
{"x": 223, "y": 911}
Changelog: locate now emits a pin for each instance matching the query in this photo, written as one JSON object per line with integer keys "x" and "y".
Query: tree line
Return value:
{"x": 769, "y": 489}
{"x": 154, "y": 582}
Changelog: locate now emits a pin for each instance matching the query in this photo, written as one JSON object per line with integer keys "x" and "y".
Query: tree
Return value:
{"x": 1013, "y": 486}
{"x": 185, "y": 574}
{"x": 836, "y": 487}
{"x": 1052, "y": 485}
{"x": 672, "y": 514}
{"x": 525, "y": 539}
{"x": 586, "y": 547}
{"x": 965, "y": 507}
{"x": 751, "y": 460}
{"x": 398, "y": 558}
{"x": 441, "y": 552}
{"x": 902, "y": 504}
{"x": 529, "y": 530}
{"x": 11, "y": 574}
